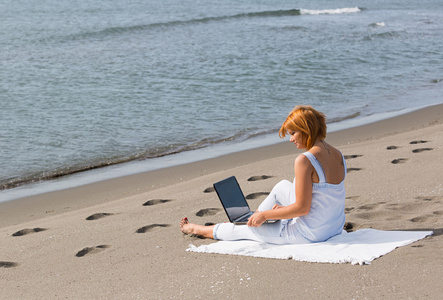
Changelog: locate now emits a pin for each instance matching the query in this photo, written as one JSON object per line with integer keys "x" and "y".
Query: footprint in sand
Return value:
{"x": 400, "y": 206}
{"x": 156, "y": 201}
{"x": 370, "y": 211}
{"x": 417, "y": 142}
{"x": 98, "y": 216}
{"x": 92, "y": 250}
{"x": 207, "y": 212}
{"x": 399, "y": 161}
{"x": 151, "y": 227}
{"x": 424, "y": 198}
{"x": 373, "y": 215}
{"x": 8, "y": 264}
{"x": 209, "y": 190}
{"x": 259, "y": 177}
{"x": 256, "y": 195}
{"x": 349, "y": 226}
{"x": 28, "y": 231}
{"x": 352, "y": 156}
{"x": 419, "y": 219}
{"x": 431, "y": 216}
{"x": 368, "y": 206}
{"x": 422, "y": 150}
{"x": 352, "y": 169}
{"x": 348, "y": 209}
{"x": 392, "y": 148}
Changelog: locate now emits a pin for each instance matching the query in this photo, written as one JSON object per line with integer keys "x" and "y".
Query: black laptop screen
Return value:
{"x": 232, "y": 197}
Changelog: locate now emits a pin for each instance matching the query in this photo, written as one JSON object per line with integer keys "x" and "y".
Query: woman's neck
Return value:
{"x": 321, "y": 143}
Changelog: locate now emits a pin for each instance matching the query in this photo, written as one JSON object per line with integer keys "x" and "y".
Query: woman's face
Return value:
{"x": 297, "y": 139}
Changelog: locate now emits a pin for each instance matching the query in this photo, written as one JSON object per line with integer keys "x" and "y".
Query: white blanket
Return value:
{"x": 359, "y": 247}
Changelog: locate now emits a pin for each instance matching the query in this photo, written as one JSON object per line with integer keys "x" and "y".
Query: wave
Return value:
{"x": 378, "y": 24}
{"x": 330, "y": 11}
{"x": 382, "y": 35}
{"x": 339, "y": 119}
{"x": 262, "y": 14}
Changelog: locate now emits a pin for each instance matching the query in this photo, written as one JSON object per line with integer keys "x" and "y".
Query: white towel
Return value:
{"x": 359, "y": 247}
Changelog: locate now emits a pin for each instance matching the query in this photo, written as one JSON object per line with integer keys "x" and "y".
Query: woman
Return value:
{"x": 311, "y": 209}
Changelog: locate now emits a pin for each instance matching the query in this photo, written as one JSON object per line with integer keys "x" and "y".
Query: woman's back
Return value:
{"x": 326, "y": 216}
{"x": 331, "y": 161}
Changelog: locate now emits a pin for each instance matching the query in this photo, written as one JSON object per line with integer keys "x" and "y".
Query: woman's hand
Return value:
{"x": 257, "y": 219}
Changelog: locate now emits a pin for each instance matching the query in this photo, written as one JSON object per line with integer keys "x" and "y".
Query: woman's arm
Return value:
{"x": 303, "y": 190}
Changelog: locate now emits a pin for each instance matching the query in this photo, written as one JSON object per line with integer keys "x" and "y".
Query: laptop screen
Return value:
{"x": 232, "y": 198}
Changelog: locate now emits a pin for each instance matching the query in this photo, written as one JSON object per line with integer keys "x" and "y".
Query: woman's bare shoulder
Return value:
{"x": 302, "y": 161}
{"x": 337, "y": 153}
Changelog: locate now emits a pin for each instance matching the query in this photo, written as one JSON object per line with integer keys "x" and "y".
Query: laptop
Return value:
{"x": 233, "y": 201}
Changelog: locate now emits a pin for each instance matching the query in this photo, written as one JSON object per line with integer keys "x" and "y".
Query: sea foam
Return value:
{"x": 330, "y": 11}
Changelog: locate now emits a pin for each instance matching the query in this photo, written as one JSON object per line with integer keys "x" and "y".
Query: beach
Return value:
{"x": 120, "y": 238}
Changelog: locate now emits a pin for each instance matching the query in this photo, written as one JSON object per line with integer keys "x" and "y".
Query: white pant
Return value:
{"x": 275, "y": 233}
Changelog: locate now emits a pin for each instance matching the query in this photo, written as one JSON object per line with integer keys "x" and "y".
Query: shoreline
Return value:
{"x": 28, "y": 208}
{"x": 96, "y": 174}
{"x": 73, "y": 176}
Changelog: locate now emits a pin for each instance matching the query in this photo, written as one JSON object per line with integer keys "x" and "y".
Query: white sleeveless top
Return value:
{"x": 327, "y": 214}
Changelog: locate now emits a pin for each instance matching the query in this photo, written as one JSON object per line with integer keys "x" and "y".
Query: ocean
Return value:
{"x": 139, "y": 85}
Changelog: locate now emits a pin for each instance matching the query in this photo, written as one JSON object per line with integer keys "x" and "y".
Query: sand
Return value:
{"x": 120, "y": 239}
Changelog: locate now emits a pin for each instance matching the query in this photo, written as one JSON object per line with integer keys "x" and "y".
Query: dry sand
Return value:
{"x": 120, "y": 239}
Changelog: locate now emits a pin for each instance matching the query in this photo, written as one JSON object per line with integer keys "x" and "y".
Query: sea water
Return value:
{"x": 85, "y": 85}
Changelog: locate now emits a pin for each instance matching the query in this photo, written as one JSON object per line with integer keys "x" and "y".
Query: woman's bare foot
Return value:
{"x": 185, "y": 226}
{"x": 195, "y": 229}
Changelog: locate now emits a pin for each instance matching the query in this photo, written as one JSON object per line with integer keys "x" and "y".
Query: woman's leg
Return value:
{"x": 232, "y": 232}
{"x": 283, "y": 193}
{"x": 268, "y": 233}
{"x": 274, "y": 233}
{"x": 201, "y": 230}
{"x": 229, "y": 232}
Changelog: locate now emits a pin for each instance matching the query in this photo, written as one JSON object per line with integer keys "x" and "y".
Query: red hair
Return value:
{"x": 309, "y": 121}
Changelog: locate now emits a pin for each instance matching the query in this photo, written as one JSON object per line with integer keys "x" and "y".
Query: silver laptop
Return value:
{"x": 233, "y": 201}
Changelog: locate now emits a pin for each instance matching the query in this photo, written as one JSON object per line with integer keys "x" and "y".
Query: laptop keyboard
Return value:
{"x": 244, "y": 218}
